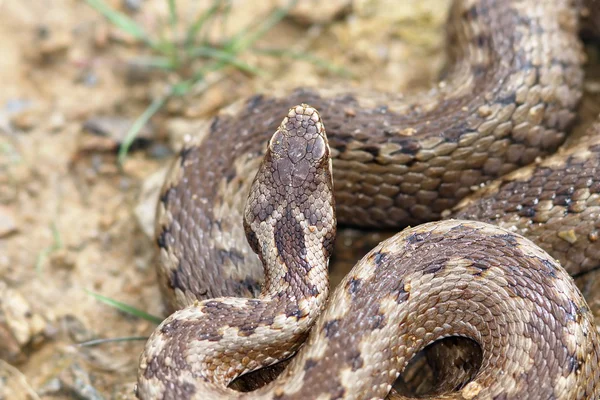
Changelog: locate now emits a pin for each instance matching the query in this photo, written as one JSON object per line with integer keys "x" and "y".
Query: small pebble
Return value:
{"x": 471, "y": 390}
{"x": 133, "y": 5}
{"x": 159, "y": 151}
{"x": 50, "y": 44}
{"x": 8, "y": 224}
{"x": 24, "y": 120}
{"x": 64, "y": 259}
{"x": 570, "y": 236}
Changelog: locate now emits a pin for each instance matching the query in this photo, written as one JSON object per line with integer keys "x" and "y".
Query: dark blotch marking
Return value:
{"x": 508, "y": 238}
{"x": 214, "y": 124}
{"x": 185, "y": 391}
{"x": 527, "y": 212}
{"x": 292, "y": 310}
{"x": 247, "y": 330}
{"x": 575, "y": 313}
{"x": 338, "y": 392}
{"x": 471, "y": 13}
{"x": 562, "y": 201}
{"x": 164, "y": 196}
{"x": 212, "y": 305}
{"x": 314, "y": 290}
{"x": 309, "y": 364}
{"x": 355, "y": 360}
{"x": 266, "y": 319}
{"x": 234, "y": 256}
{"x": 415, "y": 238}
{"x": 153, "y": 368}
{"x": 435, "y": 267}
{"x": 175, "y": 281}
{"x": 161, "y": 239}
{"x": 377, "y": 321}
{"x": 550, "y": 267}
{"x": 210, "y": 336}
{"x": 374, "y": 151}
{"x": 254, "y": 101}
{"x": 179, "y": 279}
{"x": 293, "y": 253}
{"x": 478, "y": 70}
{"x": 252, "y": 285}
{"x": 480, "y": 268}
{"x": 482, "y": 40}
{"x": 171, "y": 327}
{"x": 353, "y": 285}
{"x": 454, "y": 133}
{"x": 184, "y": 154}
{"x": 402, "y": 294}
{"x": 230, "y": 175}
{"x": 378, "y": 257}
{"x": 411, "y": 147}
{"x": 507, "y": 99}
{"x": 574, "y": 364}
{"x": 188, "y": 388}
{"x": 252, "y": 239}
{"x": 290, "y": 244}
{"x": 246, "y": 288}
{"x": 331, "y": 327}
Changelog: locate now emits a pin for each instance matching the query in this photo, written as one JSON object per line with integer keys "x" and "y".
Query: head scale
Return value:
{"x": 294, "y": 177}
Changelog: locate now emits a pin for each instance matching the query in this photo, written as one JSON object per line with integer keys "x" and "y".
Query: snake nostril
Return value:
{"x": 445, "y": 366}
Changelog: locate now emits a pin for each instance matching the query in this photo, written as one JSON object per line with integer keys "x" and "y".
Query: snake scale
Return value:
{"x": 507, "y": 99}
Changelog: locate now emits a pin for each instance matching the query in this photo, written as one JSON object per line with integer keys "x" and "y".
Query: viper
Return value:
{"x": 507, "y": 99}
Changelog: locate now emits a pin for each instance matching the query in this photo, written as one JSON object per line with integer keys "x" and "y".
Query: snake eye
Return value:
{"x": 276, "y": 142}
{"x": 317, "y": 148}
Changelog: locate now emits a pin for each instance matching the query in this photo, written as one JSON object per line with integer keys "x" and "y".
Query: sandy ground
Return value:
{"x": 71, "y": 221}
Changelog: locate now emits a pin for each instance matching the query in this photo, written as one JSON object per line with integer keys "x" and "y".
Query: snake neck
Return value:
{"x": 290, "y": 223}
{"x": 260, "y": 332}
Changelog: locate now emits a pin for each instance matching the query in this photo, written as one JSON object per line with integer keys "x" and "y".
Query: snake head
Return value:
{"x": 292, "y": 193}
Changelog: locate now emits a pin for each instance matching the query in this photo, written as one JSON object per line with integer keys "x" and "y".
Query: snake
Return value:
{"x": 247, "y": 217}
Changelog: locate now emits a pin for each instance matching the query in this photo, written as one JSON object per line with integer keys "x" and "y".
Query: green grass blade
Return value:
{"x": 181, "y": 88}
{"x": 153, "y": 62}
{"x": 125, "y": 308}
{"x": 96, "y": 342}
{"x": 237, "y": 44}
{"x": 172, "y": 13}
{"x": 246, "y": 38}
{"x": 200, "y": 21}
{"x": 173, "y": 53}
{"x": 226, "y": 57}
{"x": 138, "y": 125}
{"x": 43, "y": 255}
{"x": 319, "y": 62}
{"x": 121, "y": 20}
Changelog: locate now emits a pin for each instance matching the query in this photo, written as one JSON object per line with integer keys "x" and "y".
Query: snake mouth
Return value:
{"x": 444, "y": 366}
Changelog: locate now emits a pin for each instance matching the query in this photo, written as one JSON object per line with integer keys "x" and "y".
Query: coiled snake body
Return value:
{"x": 514, "y": 80}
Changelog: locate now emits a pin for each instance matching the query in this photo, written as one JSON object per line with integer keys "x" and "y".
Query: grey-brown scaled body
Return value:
{"x": 514, "y": 80}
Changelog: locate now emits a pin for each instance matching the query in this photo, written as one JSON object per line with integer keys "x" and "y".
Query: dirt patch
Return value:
{"x": 73, "y": 222}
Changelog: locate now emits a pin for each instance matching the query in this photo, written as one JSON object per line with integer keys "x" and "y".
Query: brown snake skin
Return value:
{"x": 508, "y": 97}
